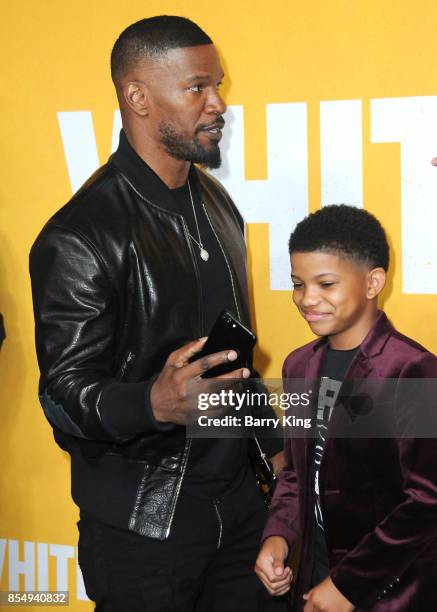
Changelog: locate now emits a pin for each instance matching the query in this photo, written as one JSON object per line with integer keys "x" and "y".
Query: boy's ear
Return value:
{"x": 135, "y": 94}
{"x": 375, "y": 282}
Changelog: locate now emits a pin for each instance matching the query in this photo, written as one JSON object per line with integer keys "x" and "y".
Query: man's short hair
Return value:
{"x": 344, "y": 230}
{"x": 153, "y": 37}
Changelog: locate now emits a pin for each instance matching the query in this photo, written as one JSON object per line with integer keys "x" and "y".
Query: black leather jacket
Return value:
{"x": 116, "y": 289}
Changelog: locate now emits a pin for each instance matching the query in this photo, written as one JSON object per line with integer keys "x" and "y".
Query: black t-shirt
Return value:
{"x": 215, "y": 465}
{"x": 333, "y": 370}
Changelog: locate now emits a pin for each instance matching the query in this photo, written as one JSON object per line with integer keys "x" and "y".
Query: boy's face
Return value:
{"x": 332, "y": 294}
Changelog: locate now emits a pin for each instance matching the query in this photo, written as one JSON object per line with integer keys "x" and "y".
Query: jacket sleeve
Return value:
{"x": 76, "y": 313}
{"x": 284, "y": 513}
{"x": 283, "y": 517}
{"x": 383, "y": 554}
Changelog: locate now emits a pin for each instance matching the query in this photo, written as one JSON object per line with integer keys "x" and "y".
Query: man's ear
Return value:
{"x": 136, "y": 97}
{"x": 375, "y": 282}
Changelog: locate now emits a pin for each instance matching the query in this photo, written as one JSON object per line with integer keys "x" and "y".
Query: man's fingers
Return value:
{"x": 202, "y": 365}
{"x": 240, "y": 373}
{"x": 215, "y": 359}
{"x": 182, "y": 356}
{"x": 434, "y": 161}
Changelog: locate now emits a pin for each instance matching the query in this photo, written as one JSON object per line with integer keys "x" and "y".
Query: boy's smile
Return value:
{"x": 335, "y": 296}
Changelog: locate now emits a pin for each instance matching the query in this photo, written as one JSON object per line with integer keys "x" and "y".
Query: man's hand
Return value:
{"x": 434, "y": 161}
{"x": 270, "y": 566}
{"x": 325, "y": 597}
{"x": 169, "y": 394}
{"x": 278, "y": 462}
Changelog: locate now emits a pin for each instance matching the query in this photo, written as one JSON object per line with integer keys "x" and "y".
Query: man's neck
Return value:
{"x": 173, "y": 172}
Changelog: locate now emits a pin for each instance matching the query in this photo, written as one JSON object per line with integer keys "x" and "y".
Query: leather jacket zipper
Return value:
{"x": 189, "y": 440}
{"x": 220, "y": 522}
{"x": 260, "y": 450}
{"x": 129, "y": 358}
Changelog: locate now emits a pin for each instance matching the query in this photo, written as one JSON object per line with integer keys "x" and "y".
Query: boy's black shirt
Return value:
{"x": 333, "y": 370}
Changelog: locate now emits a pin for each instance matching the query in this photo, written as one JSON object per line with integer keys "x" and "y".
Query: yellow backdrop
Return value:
{"x": 55, "y": 59}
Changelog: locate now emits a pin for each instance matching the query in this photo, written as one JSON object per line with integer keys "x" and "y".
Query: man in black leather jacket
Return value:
{"x": 127, "y": 278}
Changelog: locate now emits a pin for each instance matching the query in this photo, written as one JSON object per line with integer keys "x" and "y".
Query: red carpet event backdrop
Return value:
{"x": 332, "y": 101}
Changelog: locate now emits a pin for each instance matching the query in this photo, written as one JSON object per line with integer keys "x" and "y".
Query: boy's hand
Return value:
{"x": 325, "y": 597}
{"x": 270, "y": 566}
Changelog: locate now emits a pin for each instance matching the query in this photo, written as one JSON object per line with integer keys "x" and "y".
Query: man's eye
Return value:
{"x": 195, "y": 88}
{"x": 327, "y": 284}
{"x": 297, "y": 285}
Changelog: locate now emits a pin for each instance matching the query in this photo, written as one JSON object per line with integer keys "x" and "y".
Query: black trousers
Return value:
{"x": 206, "y": 565}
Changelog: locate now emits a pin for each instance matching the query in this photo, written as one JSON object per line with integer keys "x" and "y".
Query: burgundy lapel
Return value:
{"x": 372, "y": 345}
{"x": 314, "y": 363}
{"x": 361, "y": 367}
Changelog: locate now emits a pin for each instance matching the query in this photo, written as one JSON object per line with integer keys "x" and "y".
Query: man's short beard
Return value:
{"x": 189, "y": 150}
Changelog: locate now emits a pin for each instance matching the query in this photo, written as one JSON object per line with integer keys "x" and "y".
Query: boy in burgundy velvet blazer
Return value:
{"x": 364, "y": 509}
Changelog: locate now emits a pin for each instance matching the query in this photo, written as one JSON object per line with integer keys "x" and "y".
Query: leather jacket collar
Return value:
{"x": 141, "y": 176}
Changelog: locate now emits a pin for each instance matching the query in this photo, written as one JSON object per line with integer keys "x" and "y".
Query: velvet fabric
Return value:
{"x": 378, "y": 495}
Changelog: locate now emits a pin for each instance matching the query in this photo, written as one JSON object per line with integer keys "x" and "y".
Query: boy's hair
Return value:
{"x": 153, "y": 37}
{"x": 344, "y": 230}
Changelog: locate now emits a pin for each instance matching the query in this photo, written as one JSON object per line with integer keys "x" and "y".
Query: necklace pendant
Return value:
{"x": 204, "y": 254}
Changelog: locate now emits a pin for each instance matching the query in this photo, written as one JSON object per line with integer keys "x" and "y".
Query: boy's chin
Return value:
{"x": 321, "y": 329}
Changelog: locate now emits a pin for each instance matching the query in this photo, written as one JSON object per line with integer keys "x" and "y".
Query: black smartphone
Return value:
{"x": 228, "y": 333}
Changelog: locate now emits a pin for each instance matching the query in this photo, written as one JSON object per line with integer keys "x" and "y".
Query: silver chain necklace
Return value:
{"x": 203, "y": 252}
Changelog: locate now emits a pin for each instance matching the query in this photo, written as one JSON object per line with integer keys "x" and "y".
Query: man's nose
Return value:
{"x": 215, "y": 103}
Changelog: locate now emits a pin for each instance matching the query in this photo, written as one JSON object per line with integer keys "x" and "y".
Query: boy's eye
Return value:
{"x": 327, "y": 284}
{"x": 296, "y": 285}
{"x": 195, "y": 88}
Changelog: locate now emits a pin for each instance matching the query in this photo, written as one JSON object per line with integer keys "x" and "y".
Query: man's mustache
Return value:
{"x": 216, "y": 124}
